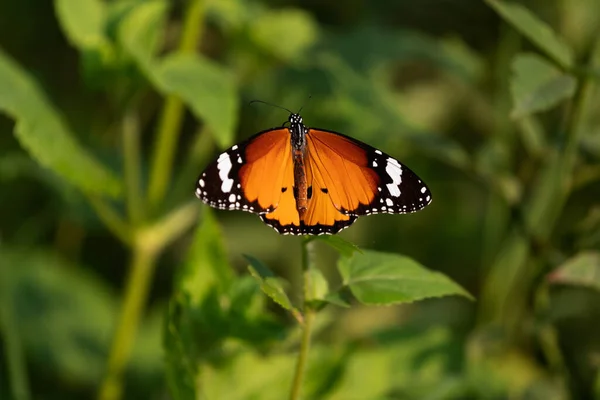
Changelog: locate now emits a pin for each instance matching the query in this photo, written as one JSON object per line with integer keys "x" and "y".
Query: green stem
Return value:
{"x": 113, "y": 222}
{"x": 15, "y": 359}
{"x": 131, "y": 150}
{"x": 171, "y": 118}
{"x": 309, "y": 317}
{"x": 136, "y": 291}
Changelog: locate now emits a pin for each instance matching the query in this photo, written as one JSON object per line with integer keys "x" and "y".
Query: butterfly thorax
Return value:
{"x": 298, "y": 140}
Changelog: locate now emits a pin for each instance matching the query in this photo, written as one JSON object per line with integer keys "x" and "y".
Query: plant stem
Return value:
{"x": 309, "y": 316}
{"x": 111, "y": 219}
{"x": 15, "y": 359}
{"x": 169, "y": 125}
{"x": 136, "y": 291}
{"x": 131, "y": 150}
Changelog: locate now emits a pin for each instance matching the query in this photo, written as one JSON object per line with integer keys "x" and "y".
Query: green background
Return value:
{"x": 109, "y": 110}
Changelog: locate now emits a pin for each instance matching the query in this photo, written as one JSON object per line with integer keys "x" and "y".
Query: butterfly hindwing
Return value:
{"x": 249, "y": 175}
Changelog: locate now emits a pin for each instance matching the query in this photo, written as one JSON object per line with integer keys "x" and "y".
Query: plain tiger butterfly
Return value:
{"x": 306, "y": 181}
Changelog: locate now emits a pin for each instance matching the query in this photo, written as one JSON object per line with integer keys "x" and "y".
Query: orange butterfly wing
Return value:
{"x": 362, "y": 180}
{"x": 248, "y": 176}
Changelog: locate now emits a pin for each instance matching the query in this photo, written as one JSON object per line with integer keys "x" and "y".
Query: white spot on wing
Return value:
{"x": 378, "y": 152}
{"x": 232, "y": 198}
{"x": 389, "y": 202}
{"x": 394, "y": 170}
{"x": 224, "y": 167}
{"x": 201, "y": 182}
{"x": 423, "y": 189}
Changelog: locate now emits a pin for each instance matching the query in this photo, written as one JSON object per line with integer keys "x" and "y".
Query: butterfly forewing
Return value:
{"x": 249, "y": 175}
{"x": 363, "y": 180}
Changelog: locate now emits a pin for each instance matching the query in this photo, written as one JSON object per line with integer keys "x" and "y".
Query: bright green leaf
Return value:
{"x": 206, "y": 88}
{"x": 319, "y": 286}
{"x": 535, "y": 30}
{"x": 82, "y": 21}
{"x": 582, "y": 270}
{"x": 285, "y": 33}
{"x": 270, "y": 285}
{"x": 206, "y": 265}
{"x": 537, "y": 85}
{"x": 42, "y": 132}
{"x": 342, "y": 246}
{"x": 381, "y": 278}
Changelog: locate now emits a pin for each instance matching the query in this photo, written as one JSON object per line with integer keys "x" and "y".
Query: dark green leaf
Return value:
{"x": 582, "y": 270}
{"x": 42, "y": 132}
{"x": 535, "y": 30}
{"x": 270, "y": 285}
{"x": 537, "y": 85}
{"x": 70, "y": 306}
{"x": 380, "y": 278}
{"x": 342, "y": 246}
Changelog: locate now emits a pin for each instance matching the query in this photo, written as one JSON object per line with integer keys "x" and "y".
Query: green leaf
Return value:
{"x": 338, "y": 298}
{"x": 139, "y": 31}
{"x": 73, "y": 309}
{"x": 207, "y": 88}
{"x": 581, "y": 270}
{"x": 287, "y": 34}
{"x": 206, "y": 266}
{"x": 42, "y": 132}
{"x": 82, "y": 21}
{"x": 342, "y": 246}
{"x": 319, "y": 286}
{"x": 204, "y": 86}
{"x": 380, "y": 278}
{"x": 535, "y": 30}
{"x": 269, "y": 284}
{"x": 537, "y": 85}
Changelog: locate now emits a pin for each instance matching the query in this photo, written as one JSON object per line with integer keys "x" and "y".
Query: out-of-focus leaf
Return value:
{"x": 71, "y": 307}
{"x": 208, "y": 89}
{"x": 537, "y": 85}
{"x": 581, "y": 270}
{"x": 412, "y": 365}
{"x": 82, "y": 21}
{"x": 42, "y": 132}
{"x": 206, "y": 266}
{"x": 270, "y": 285}
{"x": 285, "y": 33}
{"x": 139, "y": 31}
{"x": 256, "y": 376}
{"x": 381, "y": 278}
{"x": 338, "y": 298}
{"x": 535, "y": 30}
{"x": 342, "y": 246}
{"x": 319, "y": 287}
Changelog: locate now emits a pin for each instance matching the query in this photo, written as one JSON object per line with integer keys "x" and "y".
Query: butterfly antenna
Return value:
{"x": 309, "y": 97}
{"x": 272, "y": 105}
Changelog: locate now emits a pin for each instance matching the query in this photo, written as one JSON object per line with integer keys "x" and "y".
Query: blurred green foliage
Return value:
{"x": 115, "y": 281}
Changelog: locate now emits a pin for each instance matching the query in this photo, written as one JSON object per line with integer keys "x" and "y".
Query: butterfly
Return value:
{"x": 307, "y": 181}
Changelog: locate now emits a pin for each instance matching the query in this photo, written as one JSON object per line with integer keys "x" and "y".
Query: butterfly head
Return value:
{"x": 298, "y": 131}
{"x": 295, "y": 119}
